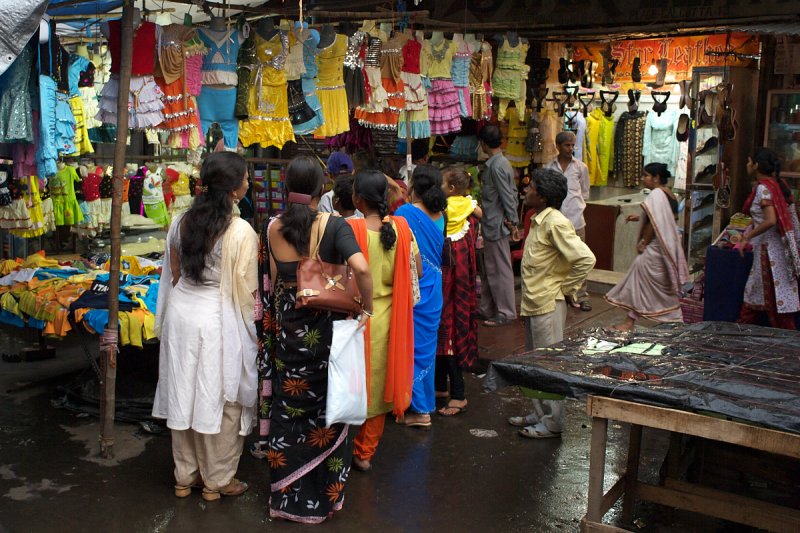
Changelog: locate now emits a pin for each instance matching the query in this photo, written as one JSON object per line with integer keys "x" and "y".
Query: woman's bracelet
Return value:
{"x": 368, "y": 313}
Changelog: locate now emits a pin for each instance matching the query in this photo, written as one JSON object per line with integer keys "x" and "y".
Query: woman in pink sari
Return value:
{"x": 652, "y": 287}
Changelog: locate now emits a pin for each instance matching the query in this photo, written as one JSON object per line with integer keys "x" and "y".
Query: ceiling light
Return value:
{"x": 652, "y": 69}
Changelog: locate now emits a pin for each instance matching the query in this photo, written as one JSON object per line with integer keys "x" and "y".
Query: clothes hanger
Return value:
{"x": 586, "y": 102}
{"x": 607, "y": 102}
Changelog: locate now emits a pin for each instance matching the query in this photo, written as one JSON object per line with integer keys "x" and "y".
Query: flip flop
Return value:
{"x": 496, "y": 322}
{"x": 459, "y": 410}
{"x": 538, "y": 432}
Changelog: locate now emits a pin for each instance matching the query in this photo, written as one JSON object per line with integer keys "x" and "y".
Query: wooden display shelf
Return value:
{"x": 673, "y": 492}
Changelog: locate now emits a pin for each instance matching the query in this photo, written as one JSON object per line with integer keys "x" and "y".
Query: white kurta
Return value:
{"x": 208, "y": 342}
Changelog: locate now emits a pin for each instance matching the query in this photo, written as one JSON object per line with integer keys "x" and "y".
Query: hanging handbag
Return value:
{"x": 325, "y": 286}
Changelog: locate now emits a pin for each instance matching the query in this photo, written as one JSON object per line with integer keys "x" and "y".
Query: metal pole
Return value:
{"x": 108, "y": 342}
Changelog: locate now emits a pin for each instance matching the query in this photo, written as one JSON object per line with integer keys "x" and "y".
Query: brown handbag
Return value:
{"x": 325, "y": 286}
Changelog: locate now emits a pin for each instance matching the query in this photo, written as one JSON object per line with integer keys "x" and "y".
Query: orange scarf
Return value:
{"x": 400, "y": 362}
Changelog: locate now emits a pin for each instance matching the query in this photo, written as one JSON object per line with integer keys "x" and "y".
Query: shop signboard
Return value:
{"x": 682, "y": 54}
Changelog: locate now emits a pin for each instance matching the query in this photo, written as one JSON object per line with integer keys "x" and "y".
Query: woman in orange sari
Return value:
{"x": 388, "y": 243}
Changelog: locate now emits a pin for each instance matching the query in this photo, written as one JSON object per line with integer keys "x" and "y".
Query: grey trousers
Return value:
{"x": 542, "y": 331}
{"x": 497, "y": 283}
{"x": 212, "y": 458}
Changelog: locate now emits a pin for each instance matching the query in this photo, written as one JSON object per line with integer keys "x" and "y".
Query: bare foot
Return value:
{"x": 625, "y": 326}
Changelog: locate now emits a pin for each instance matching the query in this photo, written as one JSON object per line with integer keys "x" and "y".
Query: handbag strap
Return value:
{"x": 318, "y": 232}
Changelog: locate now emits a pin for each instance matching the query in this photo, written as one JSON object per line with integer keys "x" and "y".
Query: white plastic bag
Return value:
{"x": 346, "y": 402}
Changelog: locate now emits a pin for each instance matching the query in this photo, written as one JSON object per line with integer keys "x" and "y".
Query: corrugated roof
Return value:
{"x": 778, "y": 28}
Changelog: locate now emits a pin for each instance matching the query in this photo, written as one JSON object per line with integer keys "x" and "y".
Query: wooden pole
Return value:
{"x": 108, "y": 341}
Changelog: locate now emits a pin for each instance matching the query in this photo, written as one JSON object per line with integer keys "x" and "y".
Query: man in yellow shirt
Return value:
{"x": 555, "y": 263}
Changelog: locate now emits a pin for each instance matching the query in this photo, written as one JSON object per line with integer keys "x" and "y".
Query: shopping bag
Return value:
{"x": 346, "y": 402}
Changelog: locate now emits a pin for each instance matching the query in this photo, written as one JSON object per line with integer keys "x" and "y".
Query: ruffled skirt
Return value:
{"x": 334, "y": 111}
{"x": 268, "y": 120}
{"x": 388, "y": 116}
{"x": 443, "y": 107}
{"x": 181, "y": 119}
{"x": 144, "y": 102}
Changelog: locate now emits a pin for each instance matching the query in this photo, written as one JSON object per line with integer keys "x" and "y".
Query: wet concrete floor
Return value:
{"x": 468, "y": 473}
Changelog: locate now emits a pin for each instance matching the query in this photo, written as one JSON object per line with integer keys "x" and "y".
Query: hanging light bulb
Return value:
{"x": 652, "y": 69}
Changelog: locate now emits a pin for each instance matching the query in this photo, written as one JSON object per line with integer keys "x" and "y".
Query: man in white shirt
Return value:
{"x": 577, "y": 174}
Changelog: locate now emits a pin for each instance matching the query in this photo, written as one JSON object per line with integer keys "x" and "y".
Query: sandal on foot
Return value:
{"x": 524, "y": 421}
{"x": 538, "y": 432}
{"x": 496, "y": 321}
{"x": 258, "y": 450}
{"x": 182, "y": 491}
{"x": 585, "y": 306}
{"x": 234, "y": 488}
{"x": 362, "y": 465}
{"x": 412, "y": 422}
{"x": 458, "y": 410}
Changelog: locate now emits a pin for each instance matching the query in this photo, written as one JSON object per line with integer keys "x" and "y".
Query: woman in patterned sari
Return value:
{"x": 309, "y": 463}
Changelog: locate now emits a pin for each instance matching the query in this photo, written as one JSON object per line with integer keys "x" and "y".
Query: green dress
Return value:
{"x": 66, "y": 210}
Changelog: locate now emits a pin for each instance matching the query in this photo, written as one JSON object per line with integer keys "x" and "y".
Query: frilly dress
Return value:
{"x": 330, "y": 90}
{"x": 416, "y": 95}
{"x": 443, "y": 103}
{"x": 267, "y": 101}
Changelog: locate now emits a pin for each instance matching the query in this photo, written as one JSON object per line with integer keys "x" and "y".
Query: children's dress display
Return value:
{"x": 330, "y": 90}
{"x": 153, "y": 198}
{"x": 480, "y": 86}
{"x": 66, "y": 210}
{"x": 217, "y": 99}
{"x": 443, "y": 104}
{"x": 308, "y": 84}
{"x": 416, "y": 95}
{"x": 387, "y": 90}
{"x": 268, "y": 103}
{"x": 516, "y": 130}
{"x": 354, "y": 70}
{"x": 459, "y": 71}
{"x": 16, "y": 114}
{"x": 510, "y": 77}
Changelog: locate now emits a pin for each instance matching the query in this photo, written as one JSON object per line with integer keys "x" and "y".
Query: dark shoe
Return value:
{"x": 585, "y": 306}
{"x": 234, "y": 488}
{"x": 563, "y": 74}
{"x": 636, "y": 72}
{"x": 709, "y": 145}
{"x": 705, "y": 175}
{"x": 686, "y": 99}
{"x": 682, "y": 131}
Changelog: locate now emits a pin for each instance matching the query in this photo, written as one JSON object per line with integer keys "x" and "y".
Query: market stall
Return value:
{"x": 718, "y": 381}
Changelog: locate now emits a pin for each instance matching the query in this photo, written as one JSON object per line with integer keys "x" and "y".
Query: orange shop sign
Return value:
{"x": 682, "y": 54}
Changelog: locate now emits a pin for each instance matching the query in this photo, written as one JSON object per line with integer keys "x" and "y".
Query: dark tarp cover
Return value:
{"x": 749, "y": 373}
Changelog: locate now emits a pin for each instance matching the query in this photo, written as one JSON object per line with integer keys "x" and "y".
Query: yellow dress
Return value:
{"x": 517, "y": 133}
{"x": 267, "y": 100}
{"x": 34, "y": 204}
{"x": 381, "y": 264}
{"x": 330, "y": 89}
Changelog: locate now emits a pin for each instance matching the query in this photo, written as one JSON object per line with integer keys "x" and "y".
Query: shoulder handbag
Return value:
{"x": 322, "y": 285}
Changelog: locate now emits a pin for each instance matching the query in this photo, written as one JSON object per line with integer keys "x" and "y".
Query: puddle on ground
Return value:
{"x": 128, "y": 442}
{"x": 31, "y": 491}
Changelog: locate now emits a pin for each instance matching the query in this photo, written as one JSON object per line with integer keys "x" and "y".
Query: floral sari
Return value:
{"x": 309, "y": 463}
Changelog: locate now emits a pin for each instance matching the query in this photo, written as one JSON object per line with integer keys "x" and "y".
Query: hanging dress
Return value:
{"x": 385, "y": 113}
{"x": 480, "y": 86}
{"x": 218, "y": 96}
{"x": 181, "y": 119}
{"x": 66, "y": 210}
{"x": 416, "y": 95}
{"x": 330, "y": 90}
{"x": 16, "y": 115}
{"x": 510, "y": 77}
{"x": 443, "y": 102}
{"x": 77, "y": 65}
{"x": 354, "y": 70}
{"x": 459, "y": 71}
{"x": 516, "y": 134}
{"x": 145, "y": 103}
{"x": 308, "y": 83}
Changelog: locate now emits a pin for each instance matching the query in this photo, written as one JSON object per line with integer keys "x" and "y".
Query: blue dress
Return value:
{"x": 430, "y": 240}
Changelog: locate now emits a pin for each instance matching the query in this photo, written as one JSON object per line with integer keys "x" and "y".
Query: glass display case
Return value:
{"x": 783, "y": 128}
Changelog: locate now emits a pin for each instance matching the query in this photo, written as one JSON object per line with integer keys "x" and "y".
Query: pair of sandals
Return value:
{"x": 234, "y": 488}
{"x": 532, "y": 427}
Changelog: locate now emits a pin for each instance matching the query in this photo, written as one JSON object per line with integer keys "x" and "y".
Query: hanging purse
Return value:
{"x": 325, "y": 286}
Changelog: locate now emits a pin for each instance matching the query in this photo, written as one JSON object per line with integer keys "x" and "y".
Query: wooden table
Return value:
{"x": 674, "y": 492}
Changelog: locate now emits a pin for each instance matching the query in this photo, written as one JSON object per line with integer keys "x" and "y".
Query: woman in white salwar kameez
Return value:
{"x": 651, "y": 288}
{"x": 206, "y": 322}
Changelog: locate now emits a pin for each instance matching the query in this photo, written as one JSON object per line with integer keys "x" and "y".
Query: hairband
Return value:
{"x": 298, "y": 198}
{"x": 203, "y": 188}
